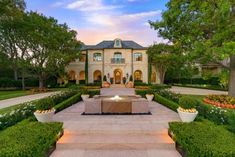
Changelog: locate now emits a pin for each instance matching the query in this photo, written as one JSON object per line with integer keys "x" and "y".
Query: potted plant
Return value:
{"x": 44, "y": 110}
{"x": 187, "y": 111}
{"x": 149, "y": 96}
{"x": 85, "y": 94}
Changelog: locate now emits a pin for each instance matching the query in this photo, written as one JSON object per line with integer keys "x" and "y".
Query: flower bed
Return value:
{"x": 223, "y": 101}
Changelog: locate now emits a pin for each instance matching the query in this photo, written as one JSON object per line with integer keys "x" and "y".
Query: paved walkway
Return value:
{"x": 23, "y": 99}
{"x": 195, "y": 91}
{"x": 115, "y": 135}
{"x": 117, "y": 91}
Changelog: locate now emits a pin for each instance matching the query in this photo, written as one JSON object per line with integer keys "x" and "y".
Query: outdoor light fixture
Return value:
{"x": 127, "y": 75}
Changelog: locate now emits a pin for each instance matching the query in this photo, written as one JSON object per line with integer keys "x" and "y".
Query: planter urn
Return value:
{"x": 149, "y": 97}
{"x": 85, "y": 96}
{"x": 187, "y": 116}
{"x": 45, "y": 117}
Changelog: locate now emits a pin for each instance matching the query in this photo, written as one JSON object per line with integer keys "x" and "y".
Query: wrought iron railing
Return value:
{"x": 118, "y": 60}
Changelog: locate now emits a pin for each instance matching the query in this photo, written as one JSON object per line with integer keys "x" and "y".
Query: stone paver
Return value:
{"x": 115, "y": 135}
{"x": 23, "y": 99}
{"x": 195, "y": 91}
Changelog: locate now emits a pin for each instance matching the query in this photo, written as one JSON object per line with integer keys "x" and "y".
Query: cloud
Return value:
{"x": 88, "y": 5}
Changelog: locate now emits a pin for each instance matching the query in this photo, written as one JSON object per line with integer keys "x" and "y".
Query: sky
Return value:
{"x": 98, "y": 20}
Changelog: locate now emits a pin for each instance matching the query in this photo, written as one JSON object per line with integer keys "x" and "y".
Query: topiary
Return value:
{"x": 45, "y": 104}
{"x": 105, "y": 78}
{"x": 131, "y": 78}
{"x": 187, "y": 102}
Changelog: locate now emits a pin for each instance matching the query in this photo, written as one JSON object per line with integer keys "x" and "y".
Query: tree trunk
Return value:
{"x": 15, "y": 74}
{"x": 162, "y": 73}
{"x": 23, "y": 79}
{"x": 231, "y": 91}
{"x": 41, "y": 81}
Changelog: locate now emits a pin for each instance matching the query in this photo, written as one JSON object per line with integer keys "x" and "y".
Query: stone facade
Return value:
{"x": 116, "y": 59}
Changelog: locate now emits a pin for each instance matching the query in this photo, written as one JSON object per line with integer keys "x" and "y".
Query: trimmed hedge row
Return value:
{"x": 203, "y": 139}
{"x": 20, "y": 112}
{"x": 166, "y": 102}
{"x": 29, "y": 139}
{"x": 70, "y": 101}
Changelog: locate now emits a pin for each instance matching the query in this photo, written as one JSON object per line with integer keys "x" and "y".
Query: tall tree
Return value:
{"x": 203, "y": 29}
{"x": 52, "y": 46}
{"x": 11, "y": 12}
{"x": 163, "y": 56}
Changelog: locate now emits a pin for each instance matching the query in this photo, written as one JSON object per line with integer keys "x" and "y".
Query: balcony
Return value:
{"x": 117, "y": 60}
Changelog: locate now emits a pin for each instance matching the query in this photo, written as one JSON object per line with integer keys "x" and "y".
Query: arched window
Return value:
{"x": 72, "y": 75}
{"x": 97, "y": 76}
{"x": 82, "y": 58}
{"x": 117, "y": 55}
{"x": 117, "y": 43}
{"x": 153, "y": 77}
{"x": 137, "y": 75}
{"x": 138, "y": 56}
{"x": 97, "y": 57}
{"x": 82, "y": 75}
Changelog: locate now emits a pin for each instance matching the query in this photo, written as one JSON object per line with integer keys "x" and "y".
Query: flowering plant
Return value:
{"x": 223, "y": 101}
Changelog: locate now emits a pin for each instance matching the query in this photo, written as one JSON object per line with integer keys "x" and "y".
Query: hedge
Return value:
{"x": 72, "y": 100}
{"x": 27, "y": 139}
{"x": 168, "y": 103}
{"x": 12, "y": 115}
{"x": 205, "y": 138}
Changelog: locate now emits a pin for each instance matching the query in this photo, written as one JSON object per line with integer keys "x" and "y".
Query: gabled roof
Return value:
{"x": 109, "y": 44}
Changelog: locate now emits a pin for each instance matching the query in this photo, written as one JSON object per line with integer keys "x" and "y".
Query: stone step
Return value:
{"x": 116, "y": 153}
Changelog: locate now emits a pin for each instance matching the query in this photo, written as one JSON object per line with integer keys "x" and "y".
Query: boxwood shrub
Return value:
{"x": 204, "y": 138}
{"x": 29, "y": 139}
{"x": 15, "y": 114}
{"x": 70, "y": 101}
{"x": 166, "y": 102}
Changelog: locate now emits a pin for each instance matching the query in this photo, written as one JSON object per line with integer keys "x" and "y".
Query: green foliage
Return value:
{"x": 203, "y": 139}
{"x": 105, "y": 78}
{"x": 45, "y": 104}
{"x": 160, "y": 86}
{"x": 166, "y": 102}
{"x": 169, "y": 95}
{"x": 143, "y": 93}
{"x": 131, "y": 78}
{"x": 68, "y": 102}
{"x": 224, "y": 78}
{"x": 29, "y": 139}
{"x": 187, "y": 102}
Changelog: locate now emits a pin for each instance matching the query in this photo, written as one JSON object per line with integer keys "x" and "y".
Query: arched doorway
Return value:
{"x": 72, "y": 75}
{"x": 117, "y": 76}
{"x": 153, "y": 77}
{"x": 82, "y": 77}
{"x": 138, "y": 75}
{"x": 97, "y": 76}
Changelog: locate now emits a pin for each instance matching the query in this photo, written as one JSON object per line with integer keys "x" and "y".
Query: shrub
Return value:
{"x": 131, "y": 78}
{"x": 45, "y": 104}
{"x": 105, "y": 78}
{"x": 70, "y": 101}
{"x": 203, "y": 139}
{"x": 90, "y": 92}
{"x": 142, "y": 93}
{"x": 29, "y": 139}
{"x": 160, "y": 86}
{"x": 169, "y": 95}
{"x": 187, "y": 102}
{"x": 19, "y": 112}
{"x": 168, "y": 103}
{"x": 223, "y": 101}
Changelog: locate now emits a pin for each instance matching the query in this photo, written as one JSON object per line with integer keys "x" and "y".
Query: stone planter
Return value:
{"x": 85, "y": 96}
{"x": 187, "y": 116}
{"x": 45, "y": 117}
{"x": 149, "y": 97}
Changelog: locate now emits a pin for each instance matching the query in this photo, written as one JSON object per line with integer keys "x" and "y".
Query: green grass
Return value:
{"x": 12, "y": 94}
{"x": 198, "y": 97}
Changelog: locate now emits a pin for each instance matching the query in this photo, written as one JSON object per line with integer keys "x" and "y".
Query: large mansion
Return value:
{"x": 117, "y": 60}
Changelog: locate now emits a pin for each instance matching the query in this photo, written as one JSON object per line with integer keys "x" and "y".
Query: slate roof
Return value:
{"x": 109, "y": 44}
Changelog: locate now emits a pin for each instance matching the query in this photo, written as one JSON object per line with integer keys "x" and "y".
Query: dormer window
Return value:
{"x": 117, "y": 43}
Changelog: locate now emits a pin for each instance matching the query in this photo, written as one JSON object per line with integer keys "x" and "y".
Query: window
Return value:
{"x": 117, "y": 55}
{"x": 138, "y": 57}
{"x": 97, "y": 57}
{"x": 117, "y": 43}
{"x": 82, "y": 58}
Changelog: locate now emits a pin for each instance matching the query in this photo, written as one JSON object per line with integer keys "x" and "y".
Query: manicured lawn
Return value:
{"x": 12, "y": 94}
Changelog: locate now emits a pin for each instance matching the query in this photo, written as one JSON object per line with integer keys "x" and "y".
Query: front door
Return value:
{"x": 117, "y": 76}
